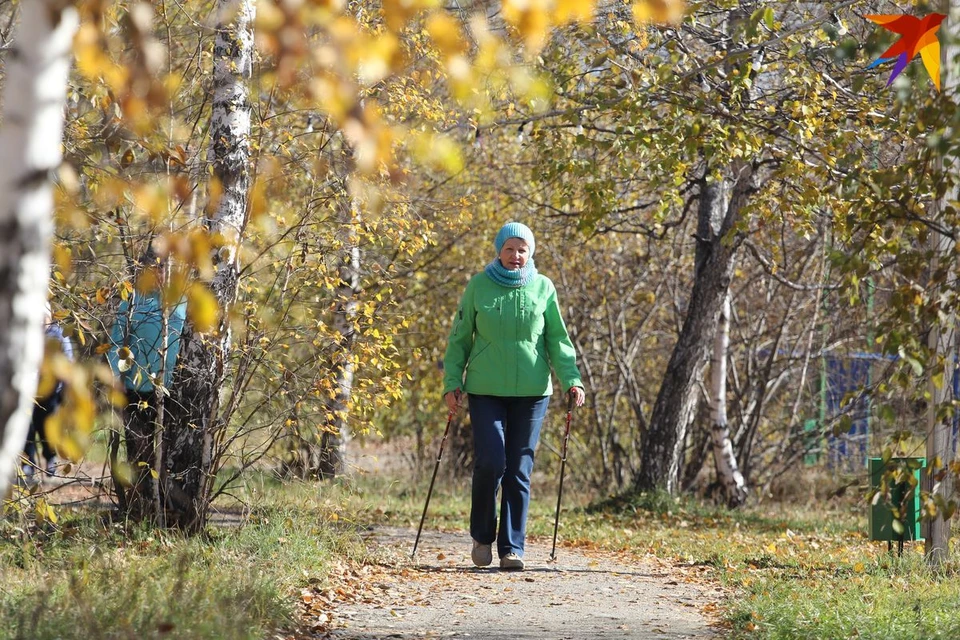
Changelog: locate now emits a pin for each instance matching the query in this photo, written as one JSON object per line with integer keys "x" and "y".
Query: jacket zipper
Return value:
{"x": 519, "y": 314}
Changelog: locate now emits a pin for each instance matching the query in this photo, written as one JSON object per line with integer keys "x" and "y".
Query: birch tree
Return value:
{"x": 336, "y": 434}
{"x": 942, "y": 336}
{"x": 193, "y": 429}
{"x": 30, "y": 149}
{"x": 722, "y": 199}
{"x": 728, "y": 473}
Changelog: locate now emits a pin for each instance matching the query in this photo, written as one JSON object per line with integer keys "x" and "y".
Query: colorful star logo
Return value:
{"x": 918, "y": 35}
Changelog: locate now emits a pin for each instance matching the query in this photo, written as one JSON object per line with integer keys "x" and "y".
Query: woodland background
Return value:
{"x": 751, "y": 236}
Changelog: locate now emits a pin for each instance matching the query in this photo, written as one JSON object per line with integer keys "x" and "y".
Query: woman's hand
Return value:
{"x": 452, "y": 399}
{"x": 578, "y": 395}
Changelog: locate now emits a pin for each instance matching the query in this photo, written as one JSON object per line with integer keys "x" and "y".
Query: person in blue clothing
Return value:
{"x": 46, "y": 404}
{"x": 141, "y": 358}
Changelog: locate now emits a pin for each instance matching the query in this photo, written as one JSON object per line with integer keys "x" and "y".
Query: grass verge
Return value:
{"x": 86, "y": 577}
{"x": 789, "y": 572}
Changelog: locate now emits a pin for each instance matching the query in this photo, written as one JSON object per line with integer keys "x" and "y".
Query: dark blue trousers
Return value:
{"x": 41, "y": 411}
{"x": 505, "y": 435}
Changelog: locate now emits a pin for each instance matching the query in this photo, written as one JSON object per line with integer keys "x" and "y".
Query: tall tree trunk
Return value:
{"x": 721, "y": 202}
{"x": 30, "y": 139}
{"x": 941, "y": 338}
{"x": 726, "y": 463}
{"x": 193, "y": 428}
{"x": 336, "y": 433}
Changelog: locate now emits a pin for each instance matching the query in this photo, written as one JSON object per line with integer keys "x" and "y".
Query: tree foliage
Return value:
{"x": 406, "y": 133}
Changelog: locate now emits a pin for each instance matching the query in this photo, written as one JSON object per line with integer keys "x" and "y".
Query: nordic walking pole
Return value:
{"x": 446, "y": 432}
{"x": 563, "y": 465}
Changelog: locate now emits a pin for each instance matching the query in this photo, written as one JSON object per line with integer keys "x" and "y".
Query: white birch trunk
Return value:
{"x": 728, "y": 473}
{"x": 721, "y": 205}
{"x": 30, "y": 149}
{"x": 193, "y": 430}
{"x": 941, "y": 338}
{"x": 336, "y": 436}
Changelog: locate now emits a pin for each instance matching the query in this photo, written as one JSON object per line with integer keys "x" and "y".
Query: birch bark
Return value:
{"x": 721, "y": 203}
{"x": 942, "y": 336}
{"x": 336, "y": 435}
{"x": 193, "y": 431}
{"x": 728, "y": 473}
{"x": 30, "y": 149}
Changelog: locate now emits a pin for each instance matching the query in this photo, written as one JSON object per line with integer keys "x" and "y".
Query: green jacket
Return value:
{"x": 506, "y": 339}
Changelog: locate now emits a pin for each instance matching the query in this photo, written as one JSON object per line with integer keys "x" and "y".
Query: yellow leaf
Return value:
{"x": 45, "y": 512}
{"x": 63, "y": 260}
{"x": 437, "y": 151}
{"x": 176, "y": 287}
{"x": 574, "y": 11}
{"x": 378, "y": 58}
{"x": 151, "y": 201}
{"x": 445, "y": 33}
{"x": 118, "y": 398}
{"x": 258, "y": 199}
{"x": 147, "y": 281}
{"x": 658, "y": 11}
{"x": 48, "y": 379}
{"x": 269, "y": 17}
{"x": 122, "y": 474}
{"x": 530, "y": 18}
{"x": 214, "y": 193}
{"x": 397, "y": 13}
{"x": 202, "y": 308}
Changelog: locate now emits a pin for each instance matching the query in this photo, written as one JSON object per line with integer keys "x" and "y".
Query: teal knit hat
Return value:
{"x": 515, "y": 230}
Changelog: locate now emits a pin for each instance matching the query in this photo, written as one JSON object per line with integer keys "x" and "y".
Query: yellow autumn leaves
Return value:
{"x": 341, "y": 58}
{"x": 534, "y": 19}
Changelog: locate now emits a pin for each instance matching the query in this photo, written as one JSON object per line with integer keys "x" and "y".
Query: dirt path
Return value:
{"x": 582, "y": 596}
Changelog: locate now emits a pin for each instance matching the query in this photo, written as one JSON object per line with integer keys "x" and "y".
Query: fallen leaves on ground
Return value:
{"x": 395, "y": 584}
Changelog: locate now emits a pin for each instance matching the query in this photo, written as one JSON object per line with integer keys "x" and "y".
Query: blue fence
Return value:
{"x": 846, "y": 378}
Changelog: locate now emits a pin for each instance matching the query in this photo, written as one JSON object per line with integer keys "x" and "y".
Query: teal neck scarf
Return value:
{"x": 513, "y": 278}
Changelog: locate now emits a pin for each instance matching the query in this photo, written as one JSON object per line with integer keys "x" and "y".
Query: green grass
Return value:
{"x": 800, "y": 574}
{"x": 789, "y": 572}
{"x": 88, "y": 578}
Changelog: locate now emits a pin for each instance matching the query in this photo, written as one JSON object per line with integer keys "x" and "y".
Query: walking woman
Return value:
{"x": 506, "y": 335}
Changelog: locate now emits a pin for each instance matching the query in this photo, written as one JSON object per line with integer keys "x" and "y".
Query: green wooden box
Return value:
{"x": 881, "y": 516}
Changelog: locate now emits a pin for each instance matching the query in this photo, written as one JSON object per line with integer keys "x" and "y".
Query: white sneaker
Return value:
{"x": 29, "y": 476}
{"x": 482, "y": 554}
{"x": 511, "y": 562}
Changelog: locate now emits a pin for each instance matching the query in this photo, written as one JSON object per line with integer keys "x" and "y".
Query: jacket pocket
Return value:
{"x": 474, "y": 356}
{"x": 489, "y": 316}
